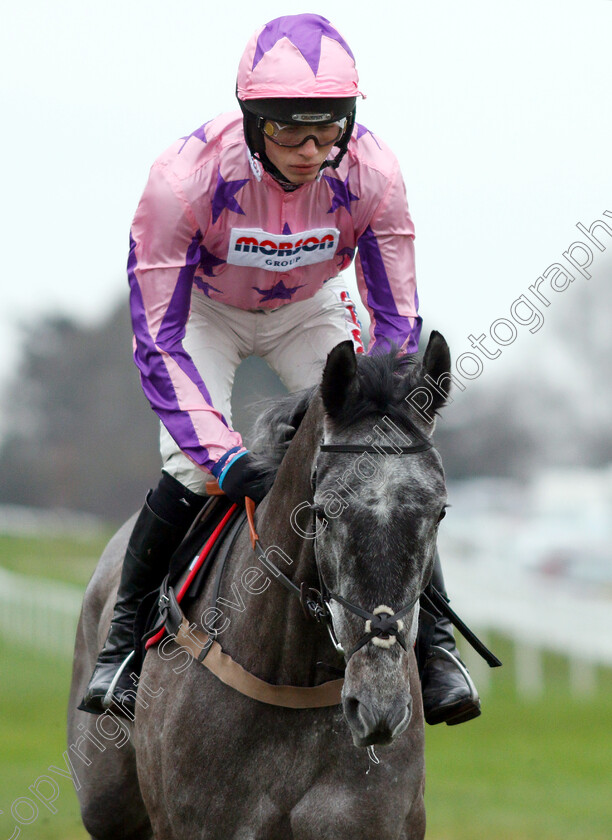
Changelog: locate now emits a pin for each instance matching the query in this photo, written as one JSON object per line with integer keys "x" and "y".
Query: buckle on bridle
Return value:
{"x": 313, "y": 604}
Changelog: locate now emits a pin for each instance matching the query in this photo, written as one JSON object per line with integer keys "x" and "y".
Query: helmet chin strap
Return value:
{"x": 334, "y": 163}
{"x": 275, "y": 172}
{"x": 287, "y": 185}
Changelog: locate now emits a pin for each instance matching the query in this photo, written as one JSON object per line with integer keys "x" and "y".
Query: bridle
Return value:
{"x": 383, "y": 626}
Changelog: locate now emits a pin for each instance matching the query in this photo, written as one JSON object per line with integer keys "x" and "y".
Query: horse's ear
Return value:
{"x": 338, "y": 377}
{"x": 437, "y": 364}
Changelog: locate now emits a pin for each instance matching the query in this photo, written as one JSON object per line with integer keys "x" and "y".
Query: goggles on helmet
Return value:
{"x": 291, "y": 135}
{"x": 298, "y": 69}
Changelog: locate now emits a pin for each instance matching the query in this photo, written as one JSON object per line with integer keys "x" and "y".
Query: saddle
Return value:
{"x": 189, "y": 569}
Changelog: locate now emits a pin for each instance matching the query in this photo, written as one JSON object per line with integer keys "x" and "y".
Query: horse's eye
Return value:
{"x": 442, "y": 514}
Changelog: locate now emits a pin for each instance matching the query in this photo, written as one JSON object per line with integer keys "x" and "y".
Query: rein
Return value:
{"x": 383, "y": 626}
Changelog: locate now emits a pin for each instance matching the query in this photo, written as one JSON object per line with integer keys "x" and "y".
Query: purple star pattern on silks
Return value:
{"x": 286, "y": 230}
{"x": 205, "y": 287}
{"x": 361, "y": 130}
{"x": 278, "y": 291}
{"x": 200, "y": 133}
{"x": 209, "y": 262}
{"x": 342, "y": 195}
{"x": 304, "y": 32}
{"x": 224, "y": 196}
{"x": 346, "y": 255}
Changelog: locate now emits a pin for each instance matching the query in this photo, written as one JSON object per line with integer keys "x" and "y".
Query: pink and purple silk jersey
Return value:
{"x": 212, "y": 222}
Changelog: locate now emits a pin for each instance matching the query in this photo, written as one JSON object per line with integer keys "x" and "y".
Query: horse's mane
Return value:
{"x": 384, "y": 383}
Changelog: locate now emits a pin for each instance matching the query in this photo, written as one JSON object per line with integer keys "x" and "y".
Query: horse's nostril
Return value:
{"x": 351, "y": 707}
{"x": 398, "y": 715}
{"x": 358, "y": 715}
{"x": 374, "y": 724}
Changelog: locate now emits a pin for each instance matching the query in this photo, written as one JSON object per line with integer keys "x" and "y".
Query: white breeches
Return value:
{"x": 294, "y": 340}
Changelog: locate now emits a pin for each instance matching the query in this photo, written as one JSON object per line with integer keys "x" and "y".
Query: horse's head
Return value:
{"x": 377, "y": 522}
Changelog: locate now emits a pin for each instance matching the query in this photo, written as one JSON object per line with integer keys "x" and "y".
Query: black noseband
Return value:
{"x": 382, "y": 627}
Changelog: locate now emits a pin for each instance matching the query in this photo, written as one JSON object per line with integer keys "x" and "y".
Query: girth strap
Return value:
{"x": 209, "y": 653}
{"x": 235, "y": 676}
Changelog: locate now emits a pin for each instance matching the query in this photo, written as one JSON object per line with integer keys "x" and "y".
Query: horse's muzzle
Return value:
{"x": 371, "y": 723}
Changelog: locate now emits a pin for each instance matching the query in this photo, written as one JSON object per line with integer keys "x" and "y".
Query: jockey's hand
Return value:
{"x": 244, "y": 478}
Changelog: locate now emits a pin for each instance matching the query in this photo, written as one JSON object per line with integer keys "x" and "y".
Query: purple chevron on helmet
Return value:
{"x": 297, "y": 69}
{"x": 297, "y": 56}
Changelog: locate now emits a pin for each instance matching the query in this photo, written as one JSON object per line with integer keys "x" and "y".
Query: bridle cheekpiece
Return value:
{"x": 383, "y": 626}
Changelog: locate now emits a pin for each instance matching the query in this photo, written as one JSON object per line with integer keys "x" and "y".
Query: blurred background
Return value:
{"x": 498, "y": 115}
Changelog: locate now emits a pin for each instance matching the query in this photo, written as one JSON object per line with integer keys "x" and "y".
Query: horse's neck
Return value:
{"x": 271, "y": 636}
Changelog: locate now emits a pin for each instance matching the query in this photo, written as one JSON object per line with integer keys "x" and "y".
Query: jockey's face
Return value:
{"x": 299, "y": 164}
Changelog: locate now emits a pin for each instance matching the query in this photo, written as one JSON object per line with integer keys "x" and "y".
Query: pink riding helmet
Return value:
{"x": 301, "y": 56}
{"x": 294, "y": 69}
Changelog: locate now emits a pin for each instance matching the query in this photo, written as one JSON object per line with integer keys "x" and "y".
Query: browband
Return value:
{"x": 376, "y": 450}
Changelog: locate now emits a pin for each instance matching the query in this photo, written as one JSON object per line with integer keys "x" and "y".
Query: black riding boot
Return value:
{"x": 449, "y": 695}
{"x": 151, "y": 545}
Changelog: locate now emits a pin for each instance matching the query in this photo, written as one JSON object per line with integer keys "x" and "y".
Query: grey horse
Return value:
{"x": 201, "y": 760}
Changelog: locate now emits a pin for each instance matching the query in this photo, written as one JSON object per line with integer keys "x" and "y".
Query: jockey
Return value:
{"x": 236, "y": 249}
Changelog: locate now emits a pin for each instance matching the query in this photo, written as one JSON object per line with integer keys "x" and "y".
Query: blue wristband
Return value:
{"x": 217, "y": 468}
{"x": 223, "y": 472}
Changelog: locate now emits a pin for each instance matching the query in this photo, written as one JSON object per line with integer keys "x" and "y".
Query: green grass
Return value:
{"x": 538, "y": 770}
{"x": 67, "y": 559}
{"x": 33, "y": 701}
{"x": 34, "y": 692}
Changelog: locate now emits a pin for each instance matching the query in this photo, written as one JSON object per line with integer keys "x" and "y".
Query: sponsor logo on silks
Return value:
{"x": 257, "y": 248}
